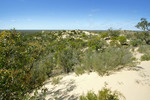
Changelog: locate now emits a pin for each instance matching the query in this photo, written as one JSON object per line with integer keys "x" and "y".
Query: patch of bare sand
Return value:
{"x": 134, "y": 85}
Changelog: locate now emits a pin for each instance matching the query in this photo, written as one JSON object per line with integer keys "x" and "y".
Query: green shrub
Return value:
{"x": 96, "y": 43}
{"x": 104, "y": 94}
{"x": 56, "y": 80}
{"x": 79, "y": 70}
{"x": 104, "y": 35}
{"x": 136, "y": 42}
{"x": 90, "y": 96}
{"x": 122, "y": 39}
{"x": 115, "y": 43}
{"x": 68, "y": 58}
{"x": 144, "y": 48}
{"x": 130, "y": 35}
{"x": 113, "y": 33}
{"x": 143, "y": 36}
{"x": 108, "y": 60}
{"x": 145, "y": 57}
{"x": 114, "y": 38}
{"x": 84, "y": 36}
{"x": 17, "y": 61}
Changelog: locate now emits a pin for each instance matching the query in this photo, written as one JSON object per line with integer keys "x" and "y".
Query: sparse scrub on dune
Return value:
{"x": 114, "y": 43}
{"x": 129, "y": 35}
{"x": 145, "y": 57}
{"x": 79, "y": 70}
{"x": 104, "y": 94}
{"x": 113, "y": 33}
{"x": 104, "y": 35}
{"x": 108, "y": 60}
{"x": 26, "y": 61}
{"x": 68, "y": 58}
{"x": 96, "y": 43}
{"x": 17, "y": 69}
{"x": 139, "y": 38}
{"x": 144, "y": 48}
{"x": 56, "y": 80}
{"x": 122, "y": 39}
{"x": 136, "y": 42}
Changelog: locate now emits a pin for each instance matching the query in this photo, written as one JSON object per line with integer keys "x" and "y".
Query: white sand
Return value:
{"x": 134, "y": 84}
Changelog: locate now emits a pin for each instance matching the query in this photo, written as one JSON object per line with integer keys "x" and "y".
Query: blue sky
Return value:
{"x": 73, "y": 14}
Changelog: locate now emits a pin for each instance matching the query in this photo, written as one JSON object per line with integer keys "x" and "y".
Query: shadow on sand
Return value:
{"x": 63, "y": 93}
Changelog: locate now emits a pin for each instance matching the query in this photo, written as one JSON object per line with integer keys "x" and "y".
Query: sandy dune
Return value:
{"x": 133, "y": 84}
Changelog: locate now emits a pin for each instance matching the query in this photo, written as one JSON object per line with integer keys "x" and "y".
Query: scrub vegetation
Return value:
{"x": 27, "y": 60}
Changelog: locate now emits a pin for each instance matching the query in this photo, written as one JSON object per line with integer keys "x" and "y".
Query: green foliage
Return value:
{"x": 139, "y": 38}
{"x": 108, "y": 60}
{"x": 16, "y": 65}
{"x": 144, "y": 49}
{"x": 84, "y": 36}
{"x": 104, "y": 94}
{"x": 90, "y": 96}
{"x": 56, "y": 80}
{"x": 143, "y": 36}
{"x": 113, "y": 33}
{"x": 130, "y": 35}
{"x": 135, "y": 42}
{"x": 68, "y": 58}
{"x": 145, "y": 57}
{"x": 114, "y": 38}
{"x": 79, "y": 70}
{"x": 104, "y": 35}
{"x": 122, "y": 39}
{"x": 26, "y": 61}
{"x": 114, "y": 43}
{"x": 144, "y": 24}
{"x": 96, "y": 43}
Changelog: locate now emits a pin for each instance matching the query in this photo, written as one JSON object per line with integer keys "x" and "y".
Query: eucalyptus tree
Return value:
{"x": 144, "y": 25}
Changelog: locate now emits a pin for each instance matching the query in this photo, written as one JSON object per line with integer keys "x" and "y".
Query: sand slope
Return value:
{"x": 133, "y": 84}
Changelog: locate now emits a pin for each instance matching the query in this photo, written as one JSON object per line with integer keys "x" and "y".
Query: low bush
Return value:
{"x": 145, "y": 57}
{"x": 67, "y": 58}
{"x": 113, "y": 33}
{"x": 18, "y": 74}
{"x": 122, "y": 39}
{"x": 79, "y": 70}
{"x": 143, "y": 36}
{"x": 104, "y": 94}
{"x": 90, "y": 96}
{"x": 114, "y": 43}
{"x": 104, "y": 35}
{"x": 96, "y": 43}
{"x": 108, "y": 60}
{"x": 56, "y": 80}
{"x": 144, "y": 48}
{"x": 136, "y": 42}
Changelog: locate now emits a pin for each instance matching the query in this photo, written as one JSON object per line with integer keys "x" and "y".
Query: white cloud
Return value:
{"x": 95, "y": 10}
{"x": 90, "y": 15}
